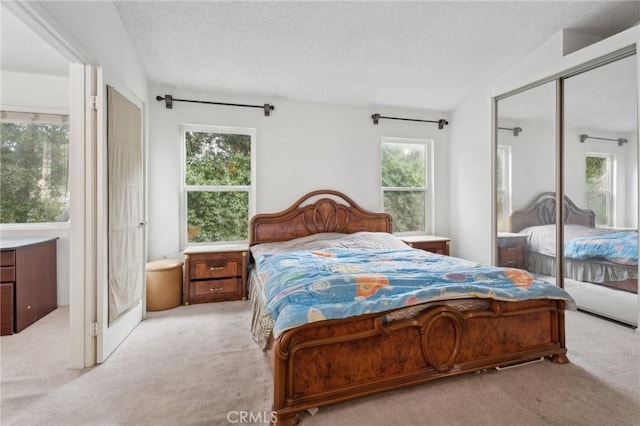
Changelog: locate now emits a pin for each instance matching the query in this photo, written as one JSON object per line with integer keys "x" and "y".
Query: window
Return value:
{"x": 34, "y": 165}
{"x": 405, "y": 177}
{"x": 503, "y": 187}
{"x": 218, "y": 171}
{"x": 599, "y": 186}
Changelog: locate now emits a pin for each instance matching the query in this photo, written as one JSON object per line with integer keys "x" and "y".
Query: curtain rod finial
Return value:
{"x": 441, "y": 123}
{"x": 376, "y": 118}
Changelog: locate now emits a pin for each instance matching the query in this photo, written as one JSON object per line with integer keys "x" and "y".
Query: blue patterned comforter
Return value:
{"x": 305, "y": 286}
{"x": 618, "y": 247}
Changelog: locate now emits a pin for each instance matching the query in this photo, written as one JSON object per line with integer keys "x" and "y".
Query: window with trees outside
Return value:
{"x": 503, "y": 187}
{"x": 599, "y": 186}
{"x": 34, "y": 165}
{"x": 406, "y": 170}
{"x": 218, "y": 170}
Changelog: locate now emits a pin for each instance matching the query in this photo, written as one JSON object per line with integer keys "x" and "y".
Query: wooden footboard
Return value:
{"x": 330, "y": 361}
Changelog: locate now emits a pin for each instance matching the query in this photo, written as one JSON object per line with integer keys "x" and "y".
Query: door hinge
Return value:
{"x": 94, "y": 329}
{"x": 93, "y": 102}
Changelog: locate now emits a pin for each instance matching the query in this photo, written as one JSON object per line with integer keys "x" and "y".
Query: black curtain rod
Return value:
{"x": 516, "y": 130}
{"x": 620, "y": 141}
{"x": 441, "y": 123}
{"x": 168, "y": 99}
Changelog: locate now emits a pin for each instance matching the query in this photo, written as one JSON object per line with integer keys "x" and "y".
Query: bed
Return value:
{"x": 600, "y": 256}
{"x": 328, "y": 360}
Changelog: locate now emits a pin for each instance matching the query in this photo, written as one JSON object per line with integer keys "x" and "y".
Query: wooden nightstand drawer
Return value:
{"x": 511, "y": 256}
{"x": 7, "y": 274}
{"x": 6, "y": 309}
{"x": 214, "y": 290}
{"x": 8, "y": 258}
{"x": 215, "y": 268}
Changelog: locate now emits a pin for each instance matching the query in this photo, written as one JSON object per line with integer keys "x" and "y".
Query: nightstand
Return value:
{"x": 215, "y": 273}
{"x": 512, "y": 250}
{"x": 431, "y": 243}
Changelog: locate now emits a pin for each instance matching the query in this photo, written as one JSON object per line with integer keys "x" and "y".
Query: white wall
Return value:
{"x": 470, "y": 176}
{"x": 45, "y": 94}
{"x": 533, "y": 156}
{"x": 533, "y": 151}
{"x": 470, "y": 139}
{"x": 301, "y": 147}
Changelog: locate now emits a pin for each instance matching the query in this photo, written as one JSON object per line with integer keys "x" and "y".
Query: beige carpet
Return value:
{"x": 197, "y": 365}
{"x": 608, "y": 302}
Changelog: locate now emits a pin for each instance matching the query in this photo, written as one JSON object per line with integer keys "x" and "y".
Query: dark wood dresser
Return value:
{"x": 28, "y": 281}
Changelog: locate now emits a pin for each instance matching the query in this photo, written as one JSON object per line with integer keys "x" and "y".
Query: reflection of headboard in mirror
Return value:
{"x": 543, "y": 212}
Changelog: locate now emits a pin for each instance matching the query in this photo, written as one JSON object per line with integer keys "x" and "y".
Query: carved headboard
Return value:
{"x": 543, "y": 212}
{"x": 306, "y": 217}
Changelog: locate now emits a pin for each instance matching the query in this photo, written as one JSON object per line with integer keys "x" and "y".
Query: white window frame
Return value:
{"x": 428, "y": 188}
{"x": 15, "y": 114}
{"x": 610, "y": 192}
{"x": 506, "y": 188}
{"x": 250, "y": 189}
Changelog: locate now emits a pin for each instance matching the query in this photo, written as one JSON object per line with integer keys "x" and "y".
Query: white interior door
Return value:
{"x": 121, "y": 219}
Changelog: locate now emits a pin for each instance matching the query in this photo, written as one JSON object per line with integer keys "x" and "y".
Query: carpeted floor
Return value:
{"x": 197, "y": 365}
{"x": 608, "y": 302}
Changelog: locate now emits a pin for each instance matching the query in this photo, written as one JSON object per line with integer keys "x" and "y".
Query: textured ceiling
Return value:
{"x": 408, "y": 54}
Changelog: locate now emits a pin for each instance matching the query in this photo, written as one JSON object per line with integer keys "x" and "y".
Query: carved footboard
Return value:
{"x": 330, "y": 361}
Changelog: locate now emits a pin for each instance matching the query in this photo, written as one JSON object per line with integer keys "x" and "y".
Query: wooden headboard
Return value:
{"x": 306, "y": 217}
{"x": 542, "y": 211}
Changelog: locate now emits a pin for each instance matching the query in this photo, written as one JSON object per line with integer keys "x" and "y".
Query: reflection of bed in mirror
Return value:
{"x": 602, "y": 256}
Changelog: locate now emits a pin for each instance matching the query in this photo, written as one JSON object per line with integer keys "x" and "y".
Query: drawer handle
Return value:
{"x": 216, "y": 268}
{"x": 215, "y": 289}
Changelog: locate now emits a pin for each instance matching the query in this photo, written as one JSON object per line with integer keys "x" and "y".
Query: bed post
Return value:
{"x": 280, "y": 357}
{"x": 561, "y": 358}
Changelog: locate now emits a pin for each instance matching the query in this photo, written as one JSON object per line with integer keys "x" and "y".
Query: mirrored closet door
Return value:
{"x": 600, "y": 177}
{"x": 526, "y": 179}
{"x": 573, "y": 138}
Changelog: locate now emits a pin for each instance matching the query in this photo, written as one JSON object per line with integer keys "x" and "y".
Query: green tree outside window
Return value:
{"x": 405, "y": 185}
{"x": 34, "y": 168}
{"x": 217, "y": 182}
{"x": 598, "y": 184}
